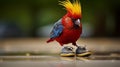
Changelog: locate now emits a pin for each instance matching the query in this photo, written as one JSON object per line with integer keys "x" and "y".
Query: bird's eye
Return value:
{"x": 73, "y": 20}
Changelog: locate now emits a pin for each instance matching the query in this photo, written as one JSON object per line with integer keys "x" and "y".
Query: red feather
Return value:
{"x": 69, "y": 34}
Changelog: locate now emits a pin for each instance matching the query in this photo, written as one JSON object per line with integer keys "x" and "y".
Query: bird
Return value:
{"x": 68, "y": 28}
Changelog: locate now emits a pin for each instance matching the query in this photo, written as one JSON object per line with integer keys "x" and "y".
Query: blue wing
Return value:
{"x": 57, "y": 29}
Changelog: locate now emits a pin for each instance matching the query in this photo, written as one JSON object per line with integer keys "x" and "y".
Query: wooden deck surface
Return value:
{"x": 35, "y": 52}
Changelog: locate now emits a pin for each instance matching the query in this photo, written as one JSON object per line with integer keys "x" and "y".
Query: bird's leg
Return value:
{"x": 61, "y": 44}
{"x": 78, "y": 45}
{"x": 75, "y": 44}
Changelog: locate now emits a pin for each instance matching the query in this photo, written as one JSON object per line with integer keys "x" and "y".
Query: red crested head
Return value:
{"x": 73, "y": 9}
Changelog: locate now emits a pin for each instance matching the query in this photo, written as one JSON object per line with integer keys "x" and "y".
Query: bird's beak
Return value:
{"x": 77, "y": 22}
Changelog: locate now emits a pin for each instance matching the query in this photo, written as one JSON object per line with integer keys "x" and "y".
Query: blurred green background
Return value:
{"x": 34, "y": 18}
